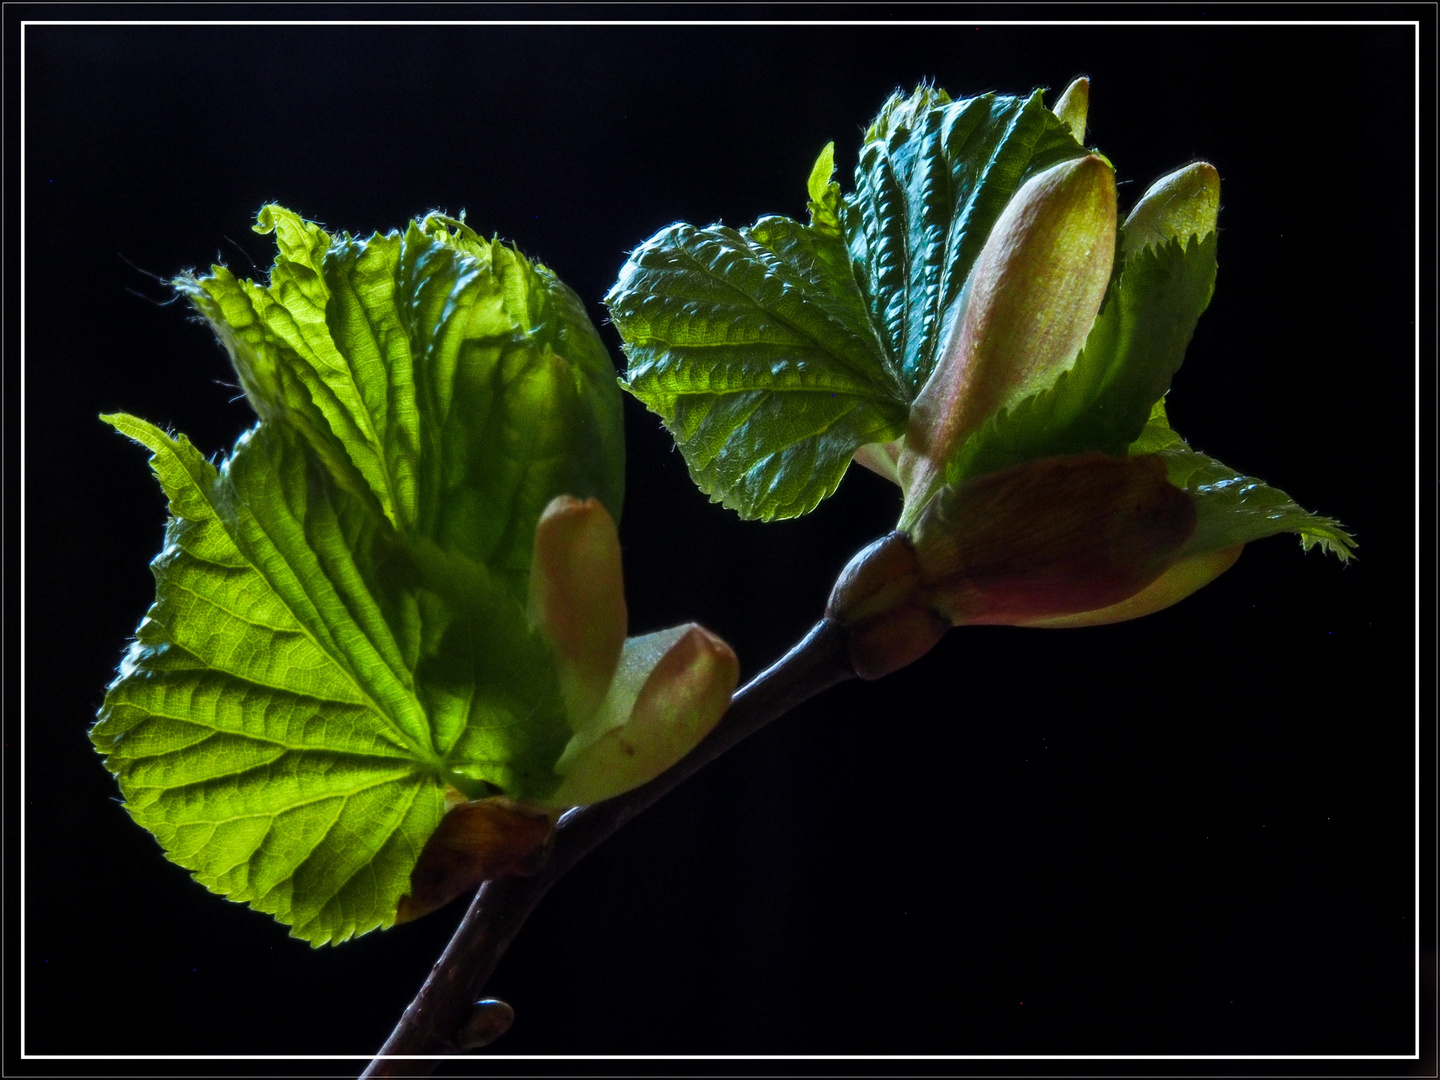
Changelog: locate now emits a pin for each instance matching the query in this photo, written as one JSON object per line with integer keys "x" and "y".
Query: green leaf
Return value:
{"x": 339, "y": 631}
{"x": 441, "y": 378}
{"x": 933, "y": 177}
{"x": 290, "y": 711}
{"x": 1232, "y": 508}
{"x": 754, "y": 348}
{"x": 773, "y": 353}
{"x": 1133, "y": 351}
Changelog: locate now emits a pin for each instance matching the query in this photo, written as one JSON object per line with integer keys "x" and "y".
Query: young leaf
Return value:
{"x": 253, "y": 750}
{"x": 824, "y": 202}
{"x": 440, "y": 377}
{"x": 339, "y": 632}
{"x": 1232, "y": 508}
{"x": 754, "y": 348}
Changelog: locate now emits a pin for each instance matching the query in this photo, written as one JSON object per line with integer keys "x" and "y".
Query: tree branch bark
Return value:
{"x": 500, "y": 907}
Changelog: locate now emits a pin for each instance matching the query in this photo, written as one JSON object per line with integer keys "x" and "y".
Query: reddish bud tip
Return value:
{"x": 1051, "y": 537}
{"x": 475, "y": 841}
{"x": 671, "y": 689}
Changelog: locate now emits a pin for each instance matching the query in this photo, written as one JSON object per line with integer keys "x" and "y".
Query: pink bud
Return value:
{"x": 671, "y": 688}
{"x": 1029, "y": 305}
{"x": 577, "y": 598}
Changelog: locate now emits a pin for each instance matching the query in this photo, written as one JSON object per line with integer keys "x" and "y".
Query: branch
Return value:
{"x": 430, "y": 1022}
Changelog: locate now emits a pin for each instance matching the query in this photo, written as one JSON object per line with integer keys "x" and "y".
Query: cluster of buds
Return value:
{"x": 1076, "y": 540}
{"x": 636, "y": 706}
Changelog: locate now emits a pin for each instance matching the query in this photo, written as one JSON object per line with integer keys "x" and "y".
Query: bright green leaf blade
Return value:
{"x": 932, "y": 179}
{"x": 1133, "y": 351}
{"x": 339, "y": 627}
{"x": 1232, "y": 508}
{"x": 516, "y": 390}
{"x": 245, "y": 746}
{"x": 443, "y": 379}
{"x": 486, "y": 679}
{"x": 303, "y": 686}
{"x": 754, "y": 348}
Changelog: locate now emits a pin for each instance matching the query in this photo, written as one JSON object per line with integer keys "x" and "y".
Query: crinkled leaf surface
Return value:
{"x": 754, "y": 347}
{"x": 773, "y": 352}
{"x": 1134, "y": 349}
{"x": 1232, "y": 508}
{"x": 339, "y": 630}
{"x": 933, "y": 177}
{"x": 443, "y": 375}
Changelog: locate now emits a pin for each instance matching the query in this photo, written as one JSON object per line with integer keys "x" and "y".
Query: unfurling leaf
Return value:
{"x": 671, "y": 688}
{"x": 773, "y": 353}
{"x": 355, "y": 612}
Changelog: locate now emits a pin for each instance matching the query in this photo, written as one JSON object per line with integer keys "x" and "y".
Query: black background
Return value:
{"x": 1190, "y": 834}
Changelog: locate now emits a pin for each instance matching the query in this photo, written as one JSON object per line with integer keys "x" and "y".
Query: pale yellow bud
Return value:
{"x": 1049, "y": 538}
{"x": 577, "y": 599}
{"x": 1182, "y": 204}
{"x": 1191, "y": 573}
{"x": 1073, "y": 106}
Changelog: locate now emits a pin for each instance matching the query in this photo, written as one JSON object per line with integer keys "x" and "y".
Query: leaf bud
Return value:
{"x": 1027, "y": 309}
{"x": 670, "y": 689}
{"x": 487, "y": 1020}
{"x": 1073, "y": 105}
{"x": 577, "y": 598}
{"x": 475, "y": 841}
{"x": 876, "y": 598}
{"x": 1191, "y": 573}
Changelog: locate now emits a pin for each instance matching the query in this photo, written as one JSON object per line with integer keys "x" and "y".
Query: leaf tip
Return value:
{"x": 1073, "y": 107}
{"x": 1336, "y": 542}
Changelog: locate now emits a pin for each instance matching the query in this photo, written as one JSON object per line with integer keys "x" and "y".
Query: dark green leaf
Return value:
{"x": 933, "y": 177}
{"x": 754, "y": 348}
{"x": 773, "y": 353}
